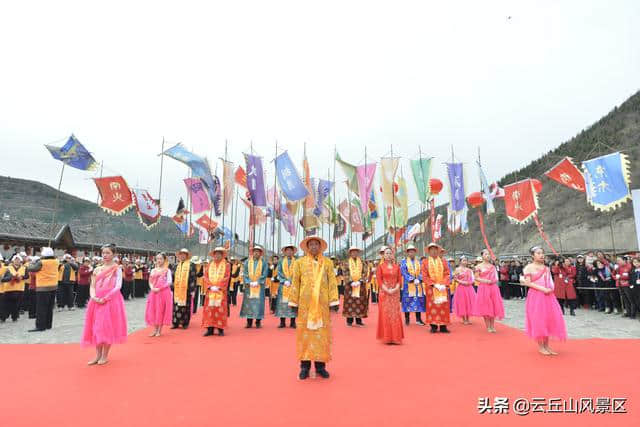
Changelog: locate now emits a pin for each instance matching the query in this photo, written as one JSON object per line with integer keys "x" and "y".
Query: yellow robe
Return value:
{"x": 313, "y": 345}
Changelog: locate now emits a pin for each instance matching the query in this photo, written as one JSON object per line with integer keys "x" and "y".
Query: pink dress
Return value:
{"x": 544, "y": 317}
{"x": 465, "y": 296}
{"x": 159, "y": 310}
{"x": 106, "y": 323}
{"x": 488, "y": 300}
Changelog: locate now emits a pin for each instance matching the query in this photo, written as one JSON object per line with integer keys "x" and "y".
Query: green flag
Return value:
{"x": 350, "y": 171}
{"x": 421, "y": 169}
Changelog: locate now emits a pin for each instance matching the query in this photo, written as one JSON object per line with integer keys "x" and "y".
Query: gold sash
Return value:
{"x": 314, "y": 318}
{"x": 254, "y": 274}
{"x": 436, "y": 272}
{"x": 355, "y": 270}
{"x": 216, "y": 274}
{"x": 414, "y": 270}
{"x": 181, "y": 283}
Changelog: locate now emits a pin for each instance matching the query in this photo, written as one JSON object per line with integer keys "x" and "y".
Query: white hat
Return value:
{"x": 383, "y": 248}
{"x": 35, "y": 258}
{"x": 46, "y": 251}
{"x": 67, "y": 256}
{"x": 23, "y": 254}
{"x": 16, "y": 256}
{"x": 410, "y": 248}
{"x": 354, "y": 248}
{"x": 257, "y": 247}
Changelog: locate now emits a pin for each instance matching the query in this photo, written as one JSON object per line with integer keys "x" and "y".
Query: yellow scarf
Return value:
{"x": 436, "y": 272}
{"x": 255, "y": 271}
{"x": 355, "y": 270}
{"x": 181, "y": 283}
{"x": 17, "y": 284}
{"x": 414, "y": 269}
{"x": 216, "y": 274}
{"x": 314, "y": 318}
{"x": 286, "y": 268}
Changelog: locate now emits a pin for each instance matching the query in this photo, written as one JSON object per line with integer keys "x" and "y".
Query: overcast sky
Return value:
{"x": 515, "y": 78}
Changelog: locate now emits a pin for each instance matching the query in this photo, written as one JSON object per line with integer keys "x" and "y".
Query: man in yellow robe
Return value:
{"x": 314, "y": 291}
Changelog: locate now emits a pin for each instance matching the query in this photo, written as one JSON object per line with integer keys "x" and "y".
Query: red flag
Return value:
{"x": 256, "y": 215}
{"x": 115, "y": 194}
{"x": 241, "y": 177}
{"x": 350, "y": 210}
{"x": 207, "y": 223}
{"x": 521, "y": 201}
{"x": 566, "y": 173}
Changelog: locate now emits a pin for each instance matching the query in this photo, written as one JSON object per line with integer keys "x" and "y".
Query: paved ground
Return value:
{"x": 67, "y": 325}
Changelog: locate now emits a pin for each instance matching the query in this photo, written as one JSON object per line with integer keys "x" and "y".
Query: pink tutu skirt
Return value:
{"x": 544, "y": 316}
{"x": 488, "y": 302}
{"x": 105, "y": 323}
{"x": 159, "y": 310}
{"x": 463, "y": 300}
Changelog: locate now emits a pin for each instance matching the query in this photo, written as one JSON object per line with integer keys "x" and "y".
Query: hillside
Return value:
{"x": 571, "y": 224}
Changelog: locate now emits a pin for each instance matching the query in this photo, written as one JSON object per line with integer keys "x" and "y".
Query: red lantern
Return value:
{"x": 395, "y": 187}
{"x": 476, "y": 199}
{"x": 435, "y": 185}
{"x": 537, "y": 185}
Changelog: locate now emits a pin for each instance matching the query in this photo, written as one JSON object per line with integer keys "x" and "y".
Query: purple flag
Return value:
{"x": 288, "y": 219}
{"x": 365, "y": 175}
{"x": 199, "y": 198}
{"x": 456, "y": 186}
{"x": 255, "y": 180}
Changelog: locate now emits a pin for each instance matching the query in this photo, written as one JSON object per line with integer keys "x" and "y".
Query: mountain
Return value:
{"x": 571, "y": 224}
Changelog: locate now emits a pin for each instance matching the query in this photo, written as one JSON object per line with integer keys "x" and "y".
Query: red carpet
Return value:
{"x": 249, "y": 378}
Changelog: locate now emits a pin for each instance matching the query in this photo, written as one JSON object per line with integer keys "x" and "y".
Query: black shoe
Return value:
{"x": 37, "y": 330}
{"x": 221, "y": 332}
{"x": 420, "y": 323}
{"x": 434, "y": 329}
{"x": 320, "y": 370}
{"x": 444, "y": 330}
{"x": 283, "y": 323}
{"x": 359, "y": 322}
{"x": 258, "y": 324}
{"x": 208, "y": 333}
{"x": 292, "y": 324}
{"x": 572, "y": 312}
{"x": 249, "y": 324}
{"x": 174, "y": 327}
{"x": 305, "y": 366}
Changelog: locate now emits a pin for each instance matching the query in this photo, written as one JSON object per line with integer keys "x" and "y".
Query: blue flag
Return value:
{"x": 607, "y": 181}
{"x": 323, "y": 189}
{"x": 255, "y": 180}
{"x": 484, "y": 187}
{"x": 289, "y": 179}
{"x": 74, "y": 154}
{"x": 456, "y": 186}
{"x": 198, "y": 165}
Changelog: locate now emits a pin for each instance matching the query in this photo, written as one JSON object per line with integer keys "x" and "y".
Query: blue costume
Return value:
{"x": 413, "y": 299}
{"x": 253, "y": 308}
{"x": 282, "y": 307}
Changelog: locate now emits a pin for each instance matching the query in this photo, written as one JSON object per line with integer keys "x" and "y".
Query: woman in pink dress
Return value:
{"x": 543, "y": 314}
{"x": 159, "y": 309}
{"x": 465, "y": 296}
{"x": 488, "y": 300}
{"x": 106, "y": 321}
{"x": 390, "y": 329}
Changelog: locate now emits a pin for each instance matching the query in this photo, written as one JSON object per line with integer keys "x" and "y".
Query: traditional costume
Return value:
{"x": 13, "y": 289}
{"x": 465, "y": 295}
{"x": 285, "y": 276}
{"x": 84, "y": 281}
{"x": 214, "y": 312}
{"x": 159, "y": 309}
{"x": 488, "y": 300}
{"x": 106, "y": 323}
{"x": 67, "y": 282}
{"x": 564, "y": 289}
{"x": 543, "y": 315}
{"x": 313, "y": 291}
{"x": 413, "y": 296}
{"x": 140, "y": 280}
{"x": 234, "y": 283}
{"x": 390, "y": 329}
{"x": 46, "y": 269}
{"x": 184, "y": 283}
{"x": 356, "y": 299}
{"x": 273, "y": 283}
{"x": 255, "y": 275}
{"x": 435, "y": 276}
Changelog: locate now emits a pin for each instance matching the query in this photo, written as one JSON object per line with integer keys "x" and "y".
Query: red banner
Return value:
{"x": 566, "y": 173}
{"x": 115, "y": 195}
{"x": 521, "y": 201}
{"x": 241, "y": 177}
{"x": 207, "y": 223}
{"x": 347, "y": 210}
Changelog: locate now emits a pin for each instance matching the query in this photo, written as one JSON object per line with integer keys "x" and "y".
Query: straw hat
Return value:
{"x": 184, "y": 251}
{"x": 218, "y": 249}
{"x": 258, "y": 248}
{"x": 354, "y": 248}
{"x": 195, "y": 259}
{"x": 304, "y": 244}
{"x": 410, "y": 248}
{"x": 382, "y": 249}
{"x": 290, "y": 246}
{"x": 46, "y": 251}
{"x": 434, "y": 245}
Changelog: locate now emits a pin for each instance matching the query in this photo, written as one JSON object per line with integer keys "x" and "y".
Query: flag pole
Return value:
{"x": 453, "y": 233}
{"x": 425, "y": 197}
{"x": 160, "y": 197}
{"x": 393, "y": 208}
{"x": 335, "y": 202}
{"x": 98, "y": 200}
{"x": 55, "y": 206}
{"x": 276, "y": 199}
{"x": 224, "y": 167}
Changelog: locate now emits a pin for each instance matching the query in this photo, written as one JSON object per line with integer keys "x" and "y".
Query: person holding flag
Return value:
{"x": 285, "y": 275}
{"x": 413, "y": 296}
{"x": 255, "y": 275}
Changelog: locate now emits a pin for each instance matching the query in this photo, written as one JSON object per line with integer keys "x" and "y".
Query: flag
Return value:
{"x": 273, "y": 201}
{"x": 413, "y": 232}
{"x": 240, "y": 177}
{"x": 255, "y": 180}
{"x": 203, "y": 236}
{"x": 115, "y": 195}
{"x": 373, "y": 206}
{"x": 350, "y": 172}
{"x": 421, "y": 169}
{"x": 484, "y": 187}
{"x": 389, "y": 167}
{"x": 456, "y": 186}
{"x": 289, "y": 179}
{"x": 147, "y": 208}
{"x": 607, "y": 181}
{"x": 457, "y": 221}
{"x": 365, "y": 174}
{"x": 352, "y": 214}
{"x": 635, "y": 194}
{"x": 340, "y": 228}
{"x": 496, "y": 190}
{"x": 73, "y": 154}
{"x": 199, "y": 198}
{"x": 198, "y": 165}
{"x": 520, "y": 201}
{"x": 180, "y": 218}
{"x": 309, "y": 220}
{"x": 322, "y": 192}
{"x": 206, "y": 223}
{"x": 256, "y": 215}
{"x": 288, "y": 219}
{"x": 437, "y": 228}
{"x": 566, "y": 173}
{"x": 217, "y": 196}
{"x": 227, "y": 185}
